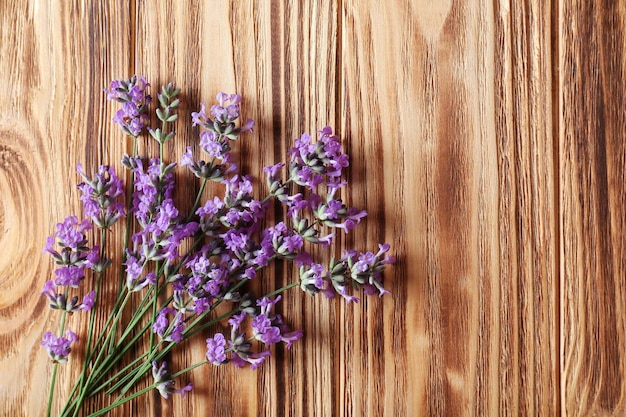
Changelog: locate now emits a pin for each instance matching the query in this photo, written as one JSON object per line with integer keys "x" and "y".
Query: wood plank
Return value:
{"x": 592, "y": 164}
{"x": 56, "y": 59}
{"x": 447, "y": 109}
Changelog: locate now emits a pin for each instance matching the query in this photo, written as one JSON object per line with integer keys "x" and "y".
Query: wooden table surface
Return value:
{"x": 488, "y": 144}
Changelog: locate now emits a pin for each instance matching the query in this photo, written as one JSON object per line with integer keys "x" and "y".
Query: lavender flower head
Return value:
{"x": 58, "y": 347}
{"x": 101, "y": 196}
{"x": 133, "y": 116}
{"x": 314, "y": 163}
{"x": 164, "y": 383}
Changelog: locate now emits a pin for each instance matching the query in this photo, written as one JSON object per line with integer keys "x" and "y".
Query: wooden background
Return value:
{"x": 488, "y": 144}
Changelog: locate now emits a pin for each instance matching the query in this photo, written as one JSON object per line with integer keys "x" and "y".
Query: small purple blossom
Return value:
{"x": 102, "y": 196}
{"x": 223, "y": 117}
{"x": 241, "y": 358}
{"x": 200, "y": 117}
{"x": 216, "y": 349}
{"x": 132, "y": 117}
{"x": 312, "y": 164}
{"x": 164, "y": 383}
{"x": 59, "y": 348}
{"x": 201, "y": 305}
{"x": 264, "y": 331}
{"x": 161, "y": 323}
{"x": 69, "y": 275}
{"x": 88, "y": 301}
{"x": 366, "y": 269}
{"x": 178, "y": 327}
{"x": 269, "y": 328}
{"x": 71, "y": 233}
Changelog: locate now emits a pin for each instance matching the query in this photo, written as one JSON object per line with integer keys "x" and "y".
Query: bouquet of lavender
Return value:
{"x": 178, "y": 268}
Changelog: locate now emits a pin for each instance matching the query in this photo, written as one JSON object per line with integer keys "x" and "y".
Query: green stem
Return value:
{"x": 122, "y": 373}
{"x": 139, "y": 393}
{"x": 56, "y": 364}
{"x": 122, "y": 401}
{"x": 129, "y": 219}
{"x": 51, "y": 394}
{"x": 154, "y": 305}
{"x": 197, "y": 201}
{"x": 92, "y": 318}
{"x": 77, "y": 402}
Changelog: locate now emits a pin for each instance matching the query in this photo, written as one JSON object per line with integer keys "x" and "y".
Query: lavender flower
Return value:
{"x": 335, "y": 214}
{"x": 215, "y": 141}
{"x": 314, "y": 163}
{"x": 241, "y": 347}
{"x": 178, "y": 327}
{"x": 59, "y": 301}
{"x": 72, "y": 258}
{"x": 164, "y": 383}
{"x": 59, "y": 347}
{"x": 285, "y": 243}
{"x": 101, "y": 196}
{"x": 216, "y": 349}
{"x": 269, "y": 328}
{"x": 161, "y": 322}
{"x": 366, "y": 269}
{"x": 70, "y": 236}
{"x": 131, "y": 92}
{"x": 151, "y": 188}
{"x": 224, "y": 116}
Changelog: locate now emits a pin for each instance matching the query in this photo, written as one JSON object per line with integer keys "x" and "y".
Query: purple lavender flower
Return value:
{"x": 241, "y": 358}
{"x": 88, "y": 301}
{"x": 59, "y": 301}
{"x": 200, "y": 117}
{"x": 151, "y": 188}
{"x": 264, "y": 331}
{"x": 366, "y": 269}
{"x": 216, "y": 349}
{"x": 69, "y": 275}
{"x": 269, "y": 328}
{"x": 161, "y": 323}
{"x": 178, "y": 327}
{"x": 49, "y": 290}
{"x": 134, "y": 265}
{"x": 164, "y": 382}
{"x": 132, "y": 117}
{"x": 172, "y": 332}
{"x": 221, "y": 127}
{"x": 201, "y": 305}
{"x": 58, "y": 347}
{"x": 284, "y": 242}
{"x": 228, "y": 108}
{"x": 70, "y": 234}
{"x": 335, "y": 214}
{"x": 214, "y": 145}
{"x": 236, "y": 241}
{"x": 313, "y": 279}
{"x": 73, "y": 257}
{"x": 100, "y": 196}
{"x": 313, "y": 163}
{"x": 210, "y": 208}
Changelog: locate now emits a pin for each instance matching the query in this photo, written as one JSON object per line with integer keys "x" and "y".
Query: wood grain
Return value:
{"x": 592, "y": 133}
{"x": 53, "y": 71}
{"x": 462, "y": 123}
{"x": 486, "y": 142}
